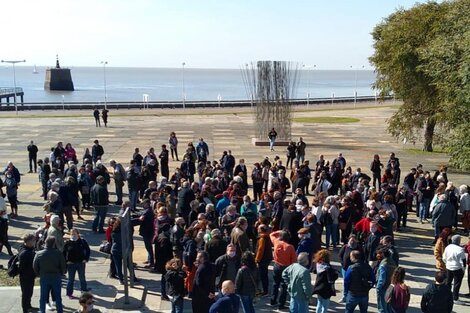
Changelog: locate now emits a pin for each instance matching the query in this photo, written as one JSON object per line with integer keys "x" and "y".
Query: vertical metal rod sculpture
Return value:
{"x": 271, "y": 84}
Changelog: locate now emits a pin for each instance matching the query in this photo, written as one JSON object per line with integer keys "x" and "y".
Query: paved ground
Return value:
{"x": 229, "y": 129}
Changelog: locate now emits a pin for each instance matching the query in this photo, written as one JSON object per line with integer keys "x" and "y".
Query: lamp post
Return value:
{"x": 308, "y": 68}
{"x": 184, "y": 91}
{"x": 13, "y": 62}
{"x": 355, "y": 83}
{"x": 104, "y": 84}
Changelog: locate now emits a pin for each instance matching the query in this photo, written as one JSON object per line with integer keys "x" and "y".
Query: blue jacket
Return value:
{"x": 221, "y": 205}
{"x": 359, "y": 278}
{"x": 306, "y": 245}
{"x": 226, "y": 304}
{"x": 384, "y": 274}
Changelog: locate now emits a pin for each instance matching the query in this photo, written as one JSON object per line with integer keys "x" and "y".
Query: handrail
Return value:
{"x": 10, "y": 90}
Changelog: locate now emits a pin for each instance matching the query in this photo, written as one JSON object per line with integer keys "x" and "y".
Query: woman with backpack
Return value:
{"x": 324, "y": 285}
{"x": 397, "y": 295}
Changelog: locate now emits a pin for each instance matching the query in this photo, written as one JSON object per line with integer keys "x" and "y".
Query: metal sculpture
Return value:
{"x": 270, "y": 85}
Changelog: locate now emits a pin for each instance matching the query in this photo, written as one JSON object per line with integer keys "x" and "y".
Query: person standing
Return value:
{"x": 174, "y": 277}
{"x": 300, "y": 146}
{"x": 284, "y": 255}
{"x": 227, "y": 301}
{"x": 247, "y": 281}
{"x": 104, "y": 115}
{"x": 325, "y": 281}
{"x": 77, "y": 254}
{"x": 25, "y": 269}
{"x": 400, "y": 297}
{"x": 455, "y": 261}
{"x": 49, "y": 265}
{"x": 147, "y": 231}
{"x": 100, "y": 201}
{"x": 4, "y": 228}
{"x": 376, "y": 169}
{"x": 443, "y": 215}
{"x": 96, "y": 114}
{"x": 226, "y": 266}
{"x": 173, "y": 142}
{"x": 272, "y": 135}
{"x": 119, "y": 175}
{"x": 204, "y": 284}
{"x": 12, "y": 192}
{"x": 358, "y": 280}
{"x": 202, "y": 150}
{"x": 32, "y": 156}
{"x": 97, "y": 151}
{"x": 264, "y": 256}
{"x": 384, "y": 276}
{"x": 437, "y": 296}
{"x": 297, "y": 278}
{"x": 164, "y": 158}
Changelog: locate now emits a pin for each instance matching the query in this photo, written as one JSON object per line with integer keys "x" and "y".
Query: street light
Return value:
{"x": 104, "y": 83}
{"x": 307, "y": 68}
{"x": 184, "y": 92}
{"x": 13, "y": 62}
{"x": 355, "y": 82}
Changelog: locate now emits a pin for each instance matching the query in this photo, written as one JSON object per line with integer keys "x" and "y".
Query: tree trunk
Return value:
{"x": 429, "y": 134}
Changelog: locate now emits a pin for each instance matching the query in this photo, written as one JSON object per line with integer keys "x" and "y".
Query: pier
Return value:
{"x": 9, "y": 92}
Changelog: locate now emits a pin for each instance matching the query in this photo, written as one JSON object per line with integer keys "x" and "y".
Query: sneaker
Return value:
{"x": 459, "y": 302}
{"x": 71, "y": 297}
{"x": 49, "y": 307}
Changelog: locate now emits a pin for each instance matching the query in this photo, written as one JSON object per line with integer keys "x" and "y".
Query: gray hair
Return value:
{"x": 456, "y": 239}
{"x": 302, "y": 258}
{"x": 463, "y": 189}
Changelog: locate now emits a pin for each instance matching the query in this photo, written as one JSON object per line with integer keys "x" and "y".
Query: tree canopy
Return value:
{"x": 422, "y": 55}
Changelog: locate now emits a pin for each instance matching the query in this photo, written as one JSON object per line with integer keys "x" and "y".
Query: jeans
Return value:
{"x": 71, "y": 270}
{"x": 382, "y": 306}
{"x": 32, "y": 161}
{"x": 69, "y": 216}
{"x": 353, "y": 301}
{"x": 247, "y": 304}
{"x": 298, "y": 306}
{"x": 119, "y": 191}
{"x": 98, "y": 222}
{"x": 133, "y": 198}
{"x": 177, "y": 305}
{"x": 331, "y": 232}
{"x": 300, "y": 158}
{"x": 457, "y": 277}
{"x": 322, "y": 305}
{"x": 117, "y": 258}
{"x": 272, "y": 141}
{"x": 376, "y": 179}
{"x": 263, "y": 274}
{"x": 149, "y": 247}
{"x": 279, "y": 282}
{"x": 424, "y": 208}
{"x": 48, "y": 284}
{"x": 343, "y": 274}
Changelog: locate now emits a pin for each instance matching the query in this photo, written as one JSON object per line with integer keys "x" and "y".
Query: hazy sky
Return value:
{"x": 332, "y": 34}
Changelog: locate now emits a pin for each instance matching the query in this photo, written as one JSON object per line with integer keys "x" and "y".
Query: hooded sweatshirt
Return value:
{"x": 437, "y": 298}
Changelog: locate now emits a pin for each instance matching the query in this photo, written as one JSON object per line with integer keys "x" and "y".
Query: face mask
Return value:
{"x": 74, "y": 238}
{"x": 353, "y": 244}
{"x": 300, "y": 236}
{"x": 89, "y": 307}
{"x": 247, "y": 203}
{"x": 231, "y": 254}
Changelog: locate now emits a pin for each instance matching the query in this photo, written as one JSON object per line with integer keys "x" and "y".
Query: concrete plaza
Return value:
{"x": 226, "y": 129}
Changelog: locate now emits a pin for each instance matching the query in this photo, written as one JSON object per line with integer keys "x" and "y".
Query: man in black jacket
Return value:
{"x": 204, "y": 284}
{"x": 437, "y": 297}
{"x": 100, "y": 201}
{"x": 185, "y": 196}
{"x": 97, "y": 151}
{"x": 358, "y": 280}
{"x": 32, "y": 156}
{"x": 26, "y": 272}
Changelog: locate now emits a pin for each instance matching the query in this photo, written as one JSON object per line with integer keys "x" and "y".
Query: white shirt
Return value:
{"x": 453, "y": 257}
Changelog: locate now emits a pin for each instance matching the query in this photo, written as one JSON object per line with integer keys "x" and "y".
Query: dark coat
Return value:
{"x": 247, "y": 281}
{"x": 185, "y": 196}
{"x": 292, "y": 221}
{"x": 163, "y": 252}
{"x": 324, "y": 283}
{"x": 204, "y": 283}
{"x": 437, "y": 298}
{"x": 25, "y": 262}
{"x": 175, "y": 283}
{"x": 443, "y": 214}
{"x": 216, "y": 247}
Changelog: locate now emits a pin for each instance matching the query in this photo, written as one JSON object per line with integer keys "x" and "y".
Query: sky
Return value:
{"x": 330, "y": 34}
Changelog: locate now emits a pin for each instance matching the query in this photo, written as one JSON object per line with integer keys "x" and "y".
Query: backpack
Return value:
{"x": 13, "y": 268}
{"x": 390, "y": 294}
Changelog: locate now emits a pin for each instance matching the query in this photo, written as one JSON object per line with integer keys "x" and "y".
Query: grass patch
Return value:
{"x": 326, "y": 119}
{"x": 7, "y": 281}
{"x": 419, "y": 151}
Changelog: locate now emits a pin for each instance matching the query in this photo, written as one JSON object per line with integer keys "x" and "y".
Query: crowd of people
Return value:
{"x": 212, "y": 229}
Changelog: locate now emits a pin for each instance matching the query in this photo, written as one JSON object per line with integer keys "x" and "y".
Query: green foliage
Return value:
{"x": 458, "y": 145}
{"x": 423, "y": 56}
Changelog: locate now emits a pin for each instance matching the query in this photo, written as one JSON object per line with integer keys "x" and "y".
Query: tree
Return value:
{"x": 401, "y": 68}
{"x": 448, "y": 64}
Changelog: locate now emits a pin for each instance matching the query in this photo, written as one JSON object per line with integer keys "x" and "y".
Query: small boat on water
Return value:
{"x": 35, "y": 70}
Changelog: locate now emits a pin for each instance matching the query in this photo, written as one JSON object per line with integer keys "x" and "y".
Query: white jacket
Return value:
{"x": 454, "y": 257}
